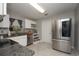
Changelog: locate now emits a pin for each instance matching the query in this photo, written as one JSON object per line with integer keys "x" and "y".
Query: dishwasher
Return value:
{"x": 29, "y": 40}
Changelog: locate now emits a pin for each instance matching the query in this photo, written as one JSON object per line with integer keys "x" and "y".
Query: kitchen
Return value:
{"x": 41, "y": 29}
{"x": 17, "y": 29}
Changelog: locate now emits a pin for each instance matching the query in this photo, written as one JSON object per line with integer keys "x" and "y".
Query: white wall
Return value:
{"x": 77, "y": 28}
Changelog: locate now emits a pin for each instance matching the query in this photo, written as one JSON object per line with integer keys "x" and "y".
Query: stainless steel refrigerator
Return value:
{"x": 63, "y": 40}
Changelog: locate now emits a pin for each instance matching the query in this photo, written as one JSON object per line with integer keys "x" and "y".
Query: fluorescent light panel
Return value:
{"x": 37, "y": 7}
{"x": 67, "y": 19}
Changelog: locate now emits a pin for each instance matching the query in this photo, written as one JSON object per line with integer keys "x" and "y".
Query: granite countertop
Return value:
{"x": 11, "y": 48}
{"x": 16, "y": 50}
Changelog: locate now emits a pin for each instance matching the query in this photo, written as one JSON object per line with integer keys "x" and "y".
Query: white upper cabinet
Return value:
{"x": 28, "y": 23}
{"x": 5, "y": 22}
{"x": 3, "y": 9}
{"x": 33, "y": 22}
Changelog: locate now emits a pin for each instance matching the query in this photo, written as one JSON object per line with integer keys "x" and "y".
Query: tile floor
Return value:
{"x": 45, "y": 49}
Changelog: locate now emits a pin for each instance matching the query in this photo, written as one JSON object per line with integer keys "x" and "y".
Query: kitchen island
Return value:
{"x": 19, "y": 37}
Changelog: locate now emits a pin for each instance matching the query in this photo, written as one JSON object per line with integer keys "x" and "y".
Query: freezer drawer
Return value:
{"x": 62, "y": 45}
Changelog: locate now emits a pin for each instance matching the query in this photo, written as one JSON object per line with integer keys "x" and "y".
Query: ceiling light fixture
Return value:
{"x": 37, "y": 7}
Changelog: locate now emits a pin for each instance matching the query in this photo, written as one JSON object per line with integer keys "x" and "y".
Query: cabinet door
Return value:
{"x": 33, "y": 22}
{"x": 6, "y": 22}
{"x": 0, "y": 8}
{"x": 3, "y": 9}
{"x": 27, "y": 24}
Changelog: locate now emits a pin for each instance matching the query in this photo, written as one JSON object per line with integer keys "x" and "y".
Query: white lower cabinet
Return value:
{"x": 22, "y": 40}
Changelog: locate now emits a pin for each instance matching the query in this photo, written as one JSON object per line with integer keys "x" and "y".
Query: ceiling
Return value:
{"x": 26, "y": 10}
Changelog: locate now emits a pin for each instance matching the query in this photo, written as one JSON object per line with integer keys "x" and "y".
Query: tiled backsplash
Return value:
{"x": 27, "y": 30}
